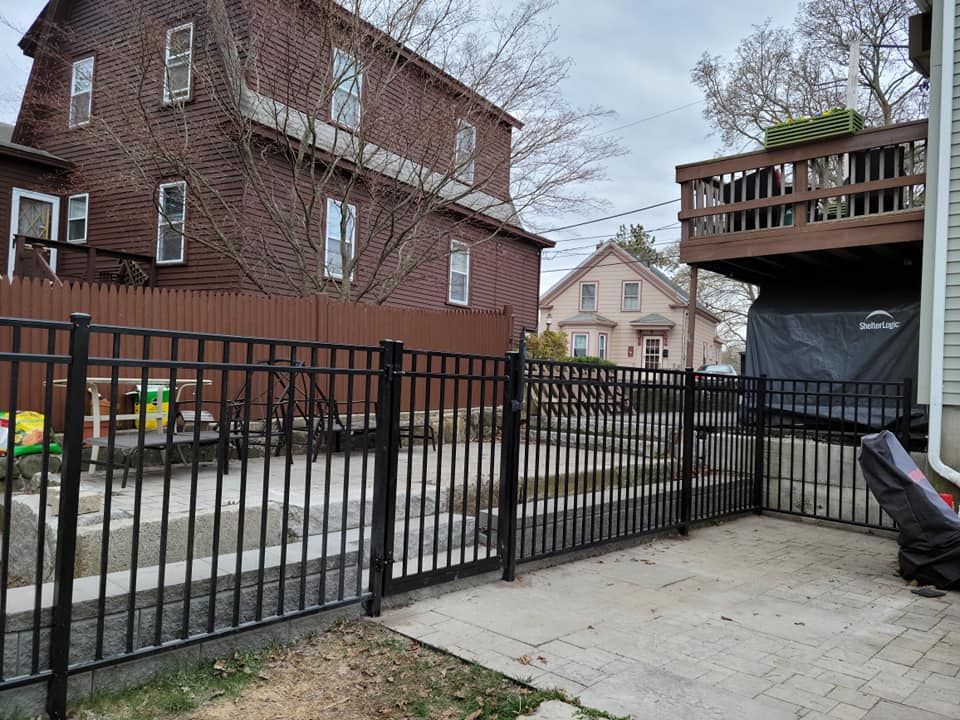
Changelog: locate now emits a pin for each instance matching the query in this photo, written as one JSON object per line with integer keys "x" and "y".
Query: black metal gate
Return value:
{"x": 446, "y": 474}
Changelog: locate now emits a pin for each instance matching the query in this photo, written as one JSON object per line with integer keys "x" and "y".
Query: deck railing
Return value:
{"x": 874, "y": 177}
{"x": 79, "y": 261}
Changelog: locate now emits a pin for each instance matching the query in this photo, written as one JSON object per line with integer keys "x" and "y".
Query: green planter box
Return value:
{"x": 838, "y": 122}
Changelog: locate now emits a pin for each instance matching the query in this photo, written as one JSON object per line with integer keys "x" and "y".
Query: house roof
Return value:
{"x": 649, "y": 273}
{"x": 653, "y": 320}
{"x": 9, "y": 148}
{"x": 588, "y": 318}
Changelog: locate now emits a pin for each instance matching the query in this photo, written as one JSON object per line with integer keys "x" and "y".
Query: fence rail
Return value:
{"x": 254, "y": 480}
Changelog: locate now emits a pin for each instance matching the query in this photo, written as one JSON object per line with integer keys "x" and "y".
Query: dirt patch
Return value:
{"x": 359, "y": 671}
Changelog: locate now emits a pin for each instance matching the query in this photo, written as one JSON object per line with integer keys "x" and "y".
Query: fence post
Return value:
{"x": 759, "y": 440}
{"x": 907, "y": 410}
{"x": 67, "y": 528}
{"x": 383, "y": 515}
{"x": 510, "y": 465}
{"x": 688, "y": 450}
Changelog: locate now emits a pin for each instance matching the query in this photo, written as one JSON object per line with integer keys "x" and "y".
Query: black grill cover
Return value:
{"x": 929, "y": 530}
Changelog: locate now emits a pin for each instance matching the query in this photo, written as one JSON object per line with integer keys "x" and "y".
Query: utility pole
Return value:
{"x": 853, "y": 73}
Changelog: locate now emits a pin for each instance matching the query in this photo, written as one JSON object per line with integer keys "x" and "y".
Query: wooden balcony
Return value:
{"x": 769, "y": 214}
{"x": 81, "y": 262}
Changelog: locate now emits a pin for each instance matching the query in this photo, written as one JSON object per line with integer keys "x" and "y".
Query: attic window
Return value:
{"x": 347, "y": 84}
{"x": 178, "y": 64}
{"x": 465, "y": 151}
{"x": 631, "y": 296}
{"x": 81, "y": 92}
{"x": 588, "y": 297}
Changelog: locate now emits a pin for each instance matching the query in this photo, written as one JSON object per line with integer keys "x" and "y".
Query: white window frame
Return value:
{"x": 573, "y": 344}
{"x": 85, "y": 217}
{"x": 72, "y": 121}
{"x": 603, "y": 345}
{"x": 352, "y": 85}
{"x": 659, "y": 341}
{"x": 458, "y": 247}
{"x": 334, "y": 234}
{"x": 174, "y": 60}
{"x": 464, "y": 154}
{"x": 596, "y": 292}
{"x": 623, "y": 296}
{"x": 163, "y": 221}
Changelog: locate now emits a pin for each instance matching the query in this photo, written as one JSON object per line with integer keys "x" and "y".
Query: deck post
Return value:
{"x": 691, "y": 317}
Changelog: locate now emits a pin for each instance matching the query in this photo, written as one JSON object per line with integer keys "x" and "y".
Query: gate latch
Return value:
{"x": 381, "y": 563}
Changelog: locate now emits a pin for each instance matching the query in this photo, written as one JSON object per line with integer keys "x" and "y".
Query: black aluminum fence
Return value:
{"x": 213, "y": 483}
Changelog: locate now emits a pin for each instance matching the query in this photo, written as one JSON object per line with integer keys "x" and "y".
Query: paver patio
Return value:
{"x": 756, "y": 618}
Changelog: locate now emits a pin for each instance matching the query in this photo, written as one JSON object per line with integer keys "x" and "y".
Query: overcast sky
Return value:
{"x": 630, "y": 56}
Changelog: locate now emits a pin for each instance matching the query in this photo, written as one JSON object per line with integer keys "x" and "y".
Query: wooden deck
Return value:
{"x": 866, "y": 190}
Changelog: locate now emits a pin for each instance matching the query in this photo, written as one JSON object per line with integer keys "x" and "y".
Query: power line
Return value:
{"x": 603, "y": 264}
{"x": 653, "y": 117}
{"x": 608, "y": 235}
{"x": 591, "y": 246}
{"x": 610, "y": 217}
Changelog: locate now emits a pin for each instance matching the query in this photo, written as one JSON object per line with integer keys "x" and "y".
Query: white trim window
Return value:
{"x": 81, "y": 92}
{"x": 340, "y": 236}
{"x": 77, "y": 208}
{"x": 347, "y": 87}
{"x": 588, "y": 297}
{"x": 178, "y": 64}
{"x": 652, "y": 352}
{"x": 171, "y": 222}
{"x": 464, "y": 156}
{"x": 602, "y": 346}
{"x": 631, "y": 296}
{"x": 579, "y": 344}
{"x": 459, "y": 286}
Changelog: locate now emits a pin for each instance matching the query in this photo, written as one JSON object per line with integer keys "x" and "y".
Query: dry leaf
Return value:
{"x": 524, "y": 659}
{"x": 542, "y": 659}
{"x": 724, "y": 617}
{"x": 474, "y": 715}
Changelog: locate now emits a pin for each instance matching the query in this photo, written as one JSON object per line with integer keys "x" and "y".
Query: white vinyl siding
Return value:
{"x": 77, "y": 210}
{"x": 951, "y": 338}
{"x": 339, "y": 238}
{"x": 81, "y": 92}
{"x": 348, "y": 86}
{"x": 171, "y": 222}
{"x": 459, "y": 286}
{"x": 178, "y": 64}
{"x": 464, "y": 155}
{"x": 579, "y": 346}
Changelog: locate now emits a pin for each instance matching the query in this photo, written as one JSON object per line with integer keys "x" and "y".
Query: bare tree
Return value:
{"x": 284, "y": 80}
{"x": 777, "y": 73}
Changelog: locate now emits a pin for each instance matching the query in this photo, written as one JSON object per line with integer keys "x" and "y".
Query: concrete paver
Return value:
{"x": 756, "y": 618}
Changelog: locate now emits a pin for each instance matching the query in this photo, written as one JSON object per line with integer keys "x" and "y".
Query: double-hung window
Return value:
{"x": 81, "y": 92}
{"x": 464, "y": 153}
{"x": 347, "y": 86}
{"x": 341, "y": 230}
{"x": 579, "y": 344}
{"x": 631, "y": 296}
{"x": 459, "y": 289}
{"x": 77, "y": 218}
{"x": 178, "y": 64}
{"x": 171, "y": 223}
{"x": 588, "y": 297}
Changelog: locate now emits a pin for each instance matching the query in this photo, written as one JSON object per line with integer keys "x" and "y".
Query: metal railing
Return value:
{"x": 284, "y": 477}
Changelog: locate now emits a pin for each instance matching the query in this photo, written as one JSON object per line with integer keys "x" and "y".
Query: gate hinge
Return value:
{"x": 380, "y": 563}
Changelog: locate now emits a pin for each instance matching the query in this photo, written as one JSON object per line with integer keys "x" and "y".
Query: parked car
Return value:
{"x": 717, "y": 369}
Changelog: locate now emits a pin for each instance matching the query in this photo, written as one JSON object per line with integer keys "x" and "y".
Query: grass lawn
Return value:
{"x": 355, "y": 671}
